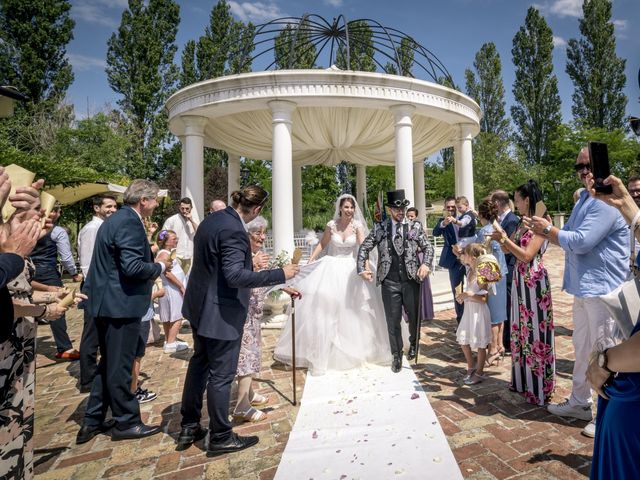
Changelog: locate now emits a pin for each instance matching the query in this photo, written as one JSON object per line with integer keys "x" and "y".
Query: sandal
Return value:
{"x": 259, "y": 400}
{"x": 469, "y": 374}
{"x": 494, "y": 358}
{"x": 473, "y": 379}
{"x": 251, "y": 415}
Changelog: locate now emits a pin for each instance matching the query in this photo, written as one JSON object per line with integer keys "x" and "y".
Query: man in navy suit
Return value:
{"x": 508, "y": 222}
{"x": 216, "y": 303}
{"x": 118, "y": 285}
{"x": 447, "y": 228}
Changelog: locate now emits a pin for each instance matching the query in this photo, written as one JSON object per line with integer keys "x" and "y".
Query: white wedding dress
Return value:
{"x": 340, "y": 322}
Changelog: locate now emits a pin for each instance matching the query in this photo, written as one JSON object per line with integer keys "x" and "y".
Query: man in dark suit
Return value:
{"x": 508, "y": 222}
{"x": 447, "y": 228}
{"x": 399, "y": 272}
{"x": 118, "y": 285}
{"x": 216, "y": 304}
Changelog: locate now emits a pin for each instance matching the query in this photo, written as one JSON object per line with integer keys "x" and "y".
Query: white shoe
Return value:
{"x": 590, "y": 429}
{"x": 582, "y": 412}
{"x": 180, "y": 342}
{"x": 175, "y": 347}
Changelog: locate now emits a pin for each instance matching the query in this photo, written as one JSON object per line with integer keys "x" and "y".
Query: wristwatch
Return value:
{"x": 546, "y": 230}
{"x": 602, "y": 360}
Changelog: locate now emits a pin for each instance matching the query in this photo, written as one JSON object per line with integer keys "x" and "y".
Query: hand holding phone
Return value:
{"x": 599, "y": 162}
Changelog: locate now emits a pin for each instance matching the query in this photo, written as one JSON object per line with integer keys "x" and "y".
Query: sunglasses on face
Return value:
{"x": 578, "y": 167}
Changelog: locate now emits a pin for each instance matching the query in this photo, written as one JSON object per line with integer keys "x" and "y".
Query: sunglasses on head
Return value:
{"x": 399, "y": 203}
{"x": 580, "y": 166}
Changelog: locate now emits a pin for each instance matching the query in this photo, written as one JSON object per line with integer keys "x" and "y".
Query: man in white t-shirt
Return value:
{"x": 103, "y": 207}
{"x": 185, "y": 227}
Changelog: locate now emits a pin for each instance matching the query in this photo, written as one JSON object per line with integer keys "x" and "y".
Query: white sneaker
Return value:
{"x": 582, "y": 412}
{"x": 590, "y": 429}
{"x": 180, "y": 342}
{"x": 175, "y": 347}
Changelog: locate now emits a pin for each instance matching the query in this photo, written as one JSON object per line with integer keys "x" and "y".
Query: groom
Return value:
{"x": 399, "y": 271}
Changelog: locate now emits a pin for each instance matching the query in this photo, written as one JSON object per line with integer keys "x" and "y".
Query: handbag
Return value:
{"x": 623, "y": 303}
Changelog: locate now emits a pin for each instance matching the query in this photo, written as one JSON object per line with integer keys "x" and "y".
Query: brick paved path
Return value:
{"x": 493, "y": 432}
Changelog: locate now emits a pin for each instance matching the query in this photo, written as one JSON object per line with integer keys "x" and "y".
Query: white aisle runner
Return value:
{"x": 367, "y": 424}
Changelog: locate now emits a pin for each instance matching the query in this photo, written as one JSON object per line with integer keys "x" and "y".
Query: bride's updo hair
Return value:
{"x": 343, "y": 201}
{"x": 248, "y": 198}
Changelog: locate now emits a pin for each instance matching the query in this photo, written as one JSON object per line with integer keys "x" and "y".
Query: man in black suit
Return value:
{"x": 447, "y": 228}
{"x": 118, "y": 285}
{"x": 216, "y": 303}
{"x": 508, "y": 222}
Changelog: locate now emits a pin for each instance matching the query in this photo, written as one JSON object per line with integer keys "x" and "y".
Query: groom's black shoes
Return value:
{"x": 396, "y": 365}
{"x": 411, "y": 354}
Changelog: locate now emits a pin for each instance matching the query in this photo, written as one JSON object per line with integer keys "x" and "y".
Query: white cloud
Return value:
{"x": 561, "y": 8}
{"x": 334, "y": 3}
{"x": 101, "y": 12}
{"x": 84, "y": 62}
{"x": 620, "y": 24}
{"x": 559, "y": 42}
{"x": 256, "y": 12}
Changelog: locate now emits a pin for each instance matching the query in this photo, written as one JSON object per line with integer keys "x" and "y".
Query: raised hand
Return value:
{"x": 260, "y": 261}
{"x": 20, "y": 238}
{"x": 290, "y": 270}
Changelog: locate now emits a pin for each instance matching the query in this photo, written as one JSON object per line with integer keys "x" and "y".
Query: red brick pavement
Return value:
{"x": 493, "y": 432}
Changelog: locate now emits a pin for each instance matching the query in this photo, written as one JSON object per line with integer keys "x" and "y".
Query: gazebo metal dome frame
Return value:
{"x": 341, "y": 35}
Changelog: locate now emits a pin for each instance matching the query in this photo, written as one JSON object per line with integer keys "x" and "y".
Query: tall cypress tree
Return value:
{"x": 33, "y": 48}
{"x": 597, "y": 72}
{"x": 536, "y": 112}
{"x": 140, "y": 68}
{"x": 225, "y": 48}
{"x": 485, "y": 87}
{"x": 302, "y": 54}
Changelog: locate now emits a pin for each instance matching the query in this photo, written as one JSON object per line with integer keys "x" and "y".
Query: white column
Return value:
{"x": 183, "y": 169}
{"x": 361, "y": 185}
{"x": 464, "y": 164}
{"x": 297, "y": 198}
{"x": 282, "y": 176}
{"x": 233, "y": 174}
{"x": 404, "y": 149}
{"x": 419, "y": 191}
{"x": 193, "y": 163}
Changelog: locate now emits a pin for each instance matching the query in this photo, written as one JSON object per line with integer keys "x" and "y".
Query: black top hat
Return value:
{"x": 396, "y": 199}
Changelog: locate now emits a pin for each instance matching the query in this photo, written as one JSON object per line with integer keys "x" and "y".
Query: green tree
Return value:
{"x": 140, "y": 68}
{"x": 293, "y": 47}
{"x": 361, "y": 49}
{"x": 405, "y": 58}
{"x": 536, "y": 112}
{"x": 225, "y": 48}
{"x": 596, "y": 71}
{"x": 486, "y": 88}
{"x": 33, "y": 48}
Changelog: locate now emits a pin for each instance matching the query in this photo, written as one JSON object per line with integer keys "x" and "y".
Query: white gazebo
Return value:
{"x": 312, "y": 117}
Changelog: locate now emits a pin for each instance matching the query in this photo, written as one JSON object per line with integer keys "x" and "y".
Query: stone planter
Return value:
{"x": 275, "y": 309}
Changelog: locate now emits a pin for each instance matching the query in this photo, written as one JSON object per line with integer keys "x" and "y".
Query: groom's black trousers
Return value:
{"x": 395, "y": 295}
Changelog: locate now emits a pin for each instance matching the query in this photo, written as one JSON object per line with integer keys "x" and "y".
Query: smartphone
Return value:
{"x": 599, "y": 158}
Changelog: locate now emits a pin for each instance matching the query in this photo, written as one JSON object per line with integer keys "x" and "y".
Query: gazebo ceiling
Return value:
{"x": 339, "y": 115}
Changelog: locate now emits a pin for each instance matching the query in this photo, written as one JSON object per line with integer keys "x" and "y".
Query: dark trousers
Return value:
{"x": 89, "y": 345}
{"x": 51, "y": 277}
{"x": 212, "y": 367}
{"x": 118, "y": 338}
{"x": 395, "y": 296}
{"x": 506, "y": 332}
{"x": 456, "y": 277}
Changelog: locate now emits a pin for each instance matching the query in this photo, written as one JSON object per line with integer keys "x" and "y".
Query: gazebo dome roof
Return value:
{"x": 339, "y": 115}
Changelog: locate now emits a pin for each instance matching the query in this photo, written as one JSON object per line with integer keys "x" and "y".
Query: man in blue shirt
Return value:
{"x": 596, "y": 244}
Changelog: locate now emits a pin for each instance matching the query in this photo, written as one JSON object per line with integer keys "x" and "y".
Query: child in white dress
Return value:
{"x": 474, "y": 331}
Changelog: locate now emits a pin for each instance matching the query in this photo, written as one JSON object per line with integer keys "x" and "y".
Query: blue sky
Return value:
{"x": 453, "y": 29}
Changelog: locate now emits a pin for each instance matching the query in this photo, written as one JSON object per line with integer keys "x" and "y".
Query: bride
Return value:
{"x": 340, "y": 321}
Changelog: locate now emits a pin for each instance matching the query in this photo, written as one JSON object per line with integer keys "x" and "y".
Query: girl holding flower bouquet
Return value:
{"x": 532, "y": 341}
{"x": 497, "y": 300}
{"x": 474, "y": 331}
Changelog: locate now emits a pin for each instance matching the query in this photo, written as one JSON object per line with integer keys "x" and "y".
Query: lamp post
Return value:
{"x": 244, "y": 176}
{"x": 556, "y": 185}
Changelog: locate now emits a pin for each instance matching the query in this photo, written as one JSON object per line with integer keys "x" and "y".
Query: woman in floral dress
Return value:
{"x": 532, "y": 340}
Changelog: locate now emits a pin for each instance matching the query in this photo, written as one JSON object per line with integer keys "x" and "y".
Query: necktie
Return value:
{"x": 398, "y": 243}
